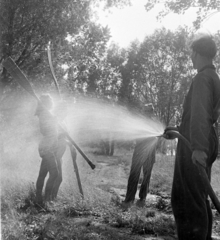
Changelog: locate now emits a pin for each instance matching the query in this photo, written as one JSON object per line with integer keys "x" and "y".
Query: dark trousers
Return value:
{"x": 190, "y": 205}
{"x": 48, "y": 165}
{"x": 59, "y": 154}
{"x": 51, "y": 163}
{"x": 143, "y": 158}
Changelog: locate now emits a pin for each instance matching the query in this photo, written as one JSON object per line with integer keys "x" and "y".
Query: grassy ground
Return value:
{"x": 99, "y": 216}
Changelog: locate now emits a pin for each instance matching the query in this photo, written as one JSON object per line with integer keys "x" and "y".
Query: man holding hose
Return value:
{"x": 189, "y": 198}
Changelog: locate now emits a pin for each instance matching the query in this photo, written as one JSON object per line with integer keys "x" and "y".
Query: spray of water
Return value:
{"x": 92, "y": 117}
{"x": 86, "y": 121}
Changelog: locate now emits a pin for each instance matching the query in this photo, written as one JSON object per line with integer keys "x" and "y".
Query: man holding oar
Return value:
{"x": 51, "y": 149}
{"x": 15, "y": 71}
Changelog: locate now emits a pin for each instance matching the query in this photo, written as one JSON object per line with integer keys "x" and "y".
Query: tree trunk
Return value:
{"x": 112, "y": 147}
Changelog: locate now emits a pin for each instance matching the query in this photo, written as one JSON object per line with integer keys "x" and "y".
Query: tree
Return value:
{"x": 117, "y": 58}
{"x": 85, "y": 59}
{"x": 217, "y": 58}
{"x": 168, "y": 72}
{"x": 204, "y": 8}
{"x": 28, "y": 26}
{"x": 125, "y": 62}
{"x": 157, "y": 71}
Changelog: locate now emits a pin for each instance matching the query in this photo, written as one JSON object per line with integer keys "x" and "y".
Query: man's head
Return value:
{"x": 149, "y": 108}
{"x": 204, "y": 49}
{"x": 47, "y": 101}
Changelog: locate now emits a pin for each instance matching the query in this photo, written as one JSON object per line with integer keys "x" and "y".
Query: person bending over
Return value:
{"x": 143, "y": 159}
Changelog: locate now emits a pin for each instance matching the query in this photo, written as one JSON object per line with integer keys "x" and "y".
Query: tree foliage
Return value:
{"x": 28, "y": 26}
{"x": 156, "y": 71}
{"x": 204, "y": 8}
{"x": 165, "y": 72}
{"x": 217, "y": 57}
{"x": 84, "y": 56}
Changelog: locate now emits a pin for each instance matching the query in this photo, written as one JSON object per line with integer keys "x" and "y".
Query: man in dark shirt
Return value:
{"x": 143, "y": 158}
{"x": 189, "y": 199}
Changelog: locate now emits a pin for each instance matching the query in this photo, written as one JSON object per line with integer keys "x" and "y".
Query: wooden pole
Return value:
{"x": 73, "y": 154}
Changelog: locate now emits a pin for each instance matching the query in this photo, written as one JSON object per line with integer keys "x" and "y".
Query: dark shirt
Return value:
{"x": 199, "y": 109}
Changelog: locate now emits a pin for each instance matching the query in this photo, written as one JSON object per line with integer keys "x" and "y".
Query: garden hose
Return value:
{"x": 171, "y": 134}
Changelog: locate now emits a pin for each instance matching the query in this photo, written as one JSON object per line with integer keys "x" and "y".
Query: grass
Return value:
{"x": 22, "y": 220}
{"x": 162, "y": 174}
{"x": 58, "y": 220}
{"x": 99, "y": 216}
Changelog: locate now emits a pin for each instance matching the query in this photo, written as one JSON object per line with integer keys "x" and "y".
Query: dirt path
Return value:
{"x": 112, "y": 176}
{"x": 110, "y": 173}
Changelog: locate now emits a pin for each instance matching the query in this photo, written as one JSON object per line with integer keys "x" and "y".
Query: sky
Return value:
{"x": 135, "y": 22}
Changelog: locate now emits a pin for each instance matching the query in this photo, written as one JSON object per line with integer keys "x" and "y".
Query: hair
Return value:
{"x": 45, "y": 97}
{"x": 43, "y": 100}
{"x": 205, "y": 46}
{"x": 149, "y": 107}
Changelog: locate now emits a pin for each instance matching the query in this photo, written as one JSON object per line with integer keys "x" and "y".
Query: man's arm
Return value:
{"x": 201, "y": 118}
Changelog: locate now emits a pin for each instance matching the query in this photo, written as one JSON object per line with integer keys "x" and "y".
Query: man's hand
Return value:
{"x": 168, "y": 135}
{"x": 199, "y": 157}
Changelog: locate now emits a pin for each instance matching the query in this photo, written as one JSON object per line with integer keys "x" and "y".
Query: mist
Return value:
{"x": 87, "y": 121}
